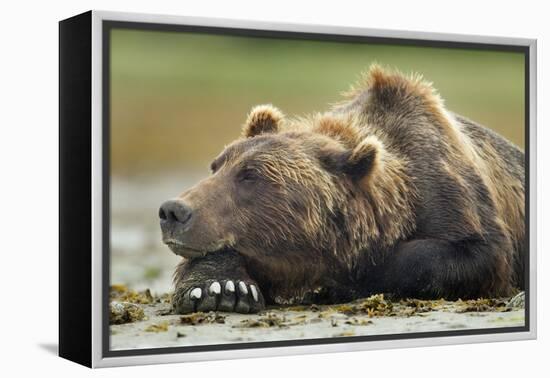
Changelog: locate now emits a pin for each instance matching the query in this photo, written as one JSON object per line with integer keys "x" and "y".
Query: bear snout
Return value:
{"x": 175, "y": 217}
{"x": 176, "y": 224}
{"x": 175, "y": 211}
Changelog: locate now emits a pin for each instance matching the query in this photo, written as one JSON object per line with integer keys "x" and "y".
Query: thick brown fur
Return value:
{"x": 388, "y": 191}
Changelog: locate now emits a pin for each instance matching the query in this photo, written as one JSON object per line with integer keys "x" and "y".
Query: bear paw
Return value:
{"x": 223, "y": 295}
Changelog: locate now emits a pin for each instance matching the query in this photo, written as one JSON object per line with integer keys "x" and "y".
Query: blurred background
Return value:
{"x": 178, "y": 98}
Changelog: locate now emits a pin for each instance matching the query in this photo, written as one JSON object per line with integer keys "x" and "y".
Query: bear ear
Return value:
{"x": 262, "y": 119}
{"x": 358, "y": 162}
{"x": 363, "y": 158}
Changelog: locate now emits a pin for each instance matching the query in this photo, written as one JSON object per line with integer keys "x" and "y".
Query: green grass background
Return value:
{"x": 178, "y": 98}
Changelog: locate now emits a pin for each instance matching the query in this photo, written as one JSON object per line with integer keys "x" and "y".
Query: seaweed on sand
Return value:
{"x": 158, "y": 327}
{"x": 124, "y": 312}
{"x": 121, "y": 293}
{"x": 372, "y": 306}
{"x": 272, "y": 319}
{"x": 197, "y": 318}
{"x": 482, "y": 305}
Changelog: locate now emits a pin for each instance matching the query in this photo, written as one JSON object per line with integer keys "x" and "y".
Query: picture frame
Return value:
{"x": 86, "y": 200}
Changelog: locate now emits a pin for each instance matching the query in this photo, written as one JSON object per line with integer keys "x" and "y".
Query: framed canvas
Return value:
{"x": 232, "y": 189}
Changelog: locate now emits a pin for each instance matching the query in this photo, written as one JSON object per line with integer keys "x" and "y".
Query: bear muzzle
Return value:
{"x": 175, "y": 218}
{"x": 181, "y": 234}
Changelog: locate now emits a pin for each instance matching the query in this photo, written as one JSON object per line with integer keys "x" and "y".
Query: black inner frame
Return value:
{"x": 109, "y": 25}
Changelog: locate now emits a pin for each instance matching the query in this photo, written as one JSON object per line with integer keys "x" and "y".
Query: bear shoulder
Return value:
{"x": 390, "y": 98}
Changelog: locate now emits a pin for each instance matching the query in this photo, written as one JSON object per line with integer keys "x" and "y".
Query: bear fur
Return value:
{"x": 387, "y": 192}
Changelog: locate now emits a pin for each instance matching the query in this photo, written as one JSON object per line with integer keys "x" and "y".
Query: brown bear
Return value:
{"x": 388, "y": 192}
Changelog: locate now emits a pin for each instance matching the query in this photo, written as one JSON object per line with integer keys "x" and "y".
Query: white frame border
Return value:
{"x": 97, "y": 139}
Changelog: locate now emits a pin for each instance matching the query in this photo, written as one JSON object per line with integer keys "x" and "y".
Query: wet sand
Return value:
{"x": 276, "y": 324}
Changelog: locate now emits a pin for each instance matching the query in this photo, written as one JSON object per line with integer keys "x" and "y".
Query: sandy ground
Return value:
{"x": 160, "y": 330}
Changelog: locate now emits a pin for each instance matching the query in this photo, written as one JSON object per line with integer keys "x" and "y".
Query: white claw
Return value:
{"x": 242, "y": 288}
{"x": 196, "y": 293}
{"x": 215, "y": 288}
{"x": 230, "y": 287}
{"x": 254, "y": 293}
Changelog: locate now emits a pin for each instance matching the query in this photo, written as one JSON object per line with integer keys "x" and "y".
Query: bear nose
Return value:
{"x": 175, "y": 211}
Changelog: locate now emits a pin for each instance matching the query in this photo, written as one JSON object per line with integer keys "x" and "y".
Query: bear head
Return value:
{"x": 292, "y": 189}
